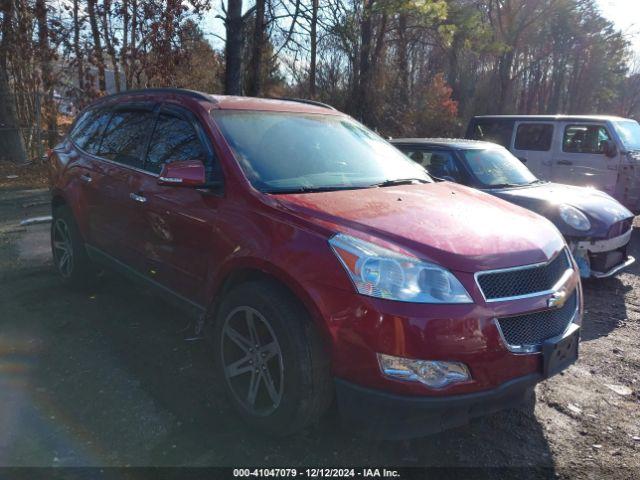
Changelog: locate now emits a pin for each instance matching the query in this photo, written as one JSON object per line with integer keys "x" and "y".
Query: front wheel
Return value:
{"x": 270, "y": 358}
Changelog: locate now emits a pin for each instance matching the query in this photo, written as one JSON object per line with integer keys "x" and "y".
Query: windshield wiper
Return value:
{"x": 399, "y": 181}
{"x": 507, "y": 185}
{"x": 311, "y": 189}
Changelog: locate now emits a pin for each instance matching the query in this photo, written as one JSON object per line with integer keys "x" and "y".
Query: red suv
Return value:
{"x": 320, "y": 261}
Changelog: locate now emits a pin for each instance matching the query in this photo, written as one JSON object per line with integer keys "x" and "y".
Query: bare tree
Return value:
{"x": 255, "y": 84}
{"x": 233, "y": 48}
{"x": 12, "y": 146}
{"x": 48, "y": 82}
{"x": 97, "y": 44}
{"x": 313, "y": 55}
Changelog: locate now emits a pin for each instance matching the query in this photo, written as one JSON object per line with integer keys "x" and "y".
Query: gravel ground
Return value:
{"x": 113, "y": 378}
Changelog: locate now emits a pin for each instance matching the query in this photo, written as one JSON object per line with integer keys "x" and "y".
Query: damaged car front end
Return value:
{"x": 596, "y": 226}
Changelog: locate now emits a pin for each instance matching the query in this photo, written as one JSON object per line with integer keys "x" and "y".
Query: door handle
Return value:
{"x": 86, "y": 178}
{"x": 137, "y": 198}
{"x": 564, "y": 162}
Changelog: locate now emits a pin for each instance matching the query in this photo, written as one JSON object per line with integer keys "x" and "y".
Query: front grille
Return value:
{"x": 523, "y": 280}
{"x": 620, "y": 228}
{"x": 531, "y": 329}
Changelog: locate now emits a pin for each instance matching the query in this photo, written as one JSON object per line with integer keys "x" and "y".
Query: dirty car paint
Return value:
{"x": 450, "y": 224}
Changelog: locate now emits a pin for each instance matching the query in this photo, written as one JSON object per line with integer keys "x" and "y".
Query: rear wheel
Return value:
{"x": 275, "y": 370}
{"x": 69, "y": 255}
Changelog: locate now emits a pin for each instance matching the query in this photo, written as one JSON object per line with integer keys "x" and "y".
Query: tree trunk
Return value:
{"x": 11, "y": 142}
{"x": 106, "y": 27}
{"x": 457, "y": 46}
{"x": 504, "y": 72}
{"x": 255, "y": 85}
{"x": 76, "y": 45}
{"x": 97, "y": 44}
{"x": 125, "y": 43}
{"x": 48, "y": 84}
{"x": 364, "y": 67}
{"x": 133, "y": 48}
{"x": 233, "y": 49}
{"x": 403, "y": 61}
{"x": 314, "y": 48}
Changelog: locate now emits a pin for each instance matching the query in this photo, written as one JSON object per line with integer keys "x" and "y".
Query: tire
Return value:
{"x": 288, "y": 376}
{"x": 70, "y": 257}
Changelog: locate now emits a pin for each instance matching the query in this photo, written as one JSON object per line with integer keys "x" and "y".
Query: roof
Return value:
{"x": 457, "y": 143}
{"x": 540, "y": 118}
{"x": 229, "y": 102}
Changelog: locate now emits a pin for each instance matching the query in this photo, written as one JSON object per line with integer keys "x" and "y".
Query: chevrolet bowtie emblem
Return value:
{"x": 557, "y": 300}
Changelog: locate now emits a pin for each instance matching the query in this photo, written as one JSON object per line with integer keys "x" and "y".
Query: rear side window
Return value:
{"x": 438, "y": 163}
{"x": 534, "y": 137}
{"x": 173, "y": 139}
{"x": 493, "y": 130}
{"x": 125, "y": 138}
{"x": 87, "y": 132}
{"x": 588, "y": 139}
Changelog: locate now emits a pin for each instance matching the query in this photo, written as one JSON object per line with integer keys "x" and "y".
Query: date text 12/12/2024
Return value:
{"x": 316, "y": 473}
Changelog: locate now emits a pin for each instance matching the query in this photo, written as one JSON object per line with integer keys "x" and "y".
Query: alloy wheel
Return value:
{"x": 252, "y": 361}
{"x": 62, "y": 248}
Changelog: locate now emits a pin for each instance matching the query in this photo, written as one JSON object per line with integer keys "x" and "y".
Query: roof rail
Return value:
{"x": 178, "y": 91}
{"x": 304, "y": 100}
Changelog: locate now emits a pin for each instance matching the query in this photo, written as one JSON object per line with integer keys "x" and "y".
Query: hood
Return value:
{"x": 602, "y": 210}
{"x": 451, "y": 225}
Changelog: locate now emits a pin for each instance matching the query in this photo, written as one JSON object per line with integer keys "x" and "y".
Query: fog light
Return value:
{"x": 433, "y": 373}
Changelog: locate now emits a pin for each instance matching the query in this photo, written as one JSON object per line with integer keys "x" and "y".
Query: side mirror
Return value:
{"x": 184, "y": 173}
{"x": 609, "y": 148}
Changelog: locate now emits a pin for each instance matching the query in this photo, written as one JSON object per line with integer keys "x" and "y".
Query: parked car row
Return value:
{"x": 597, "y": 151}
{"x": 322, "y": 263}
{"x": 597, "y": 228}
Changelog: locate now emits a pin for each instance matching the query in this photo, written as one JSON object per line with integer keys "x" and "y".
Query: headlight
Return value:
{"x": 433, "y": 373}
{"x": 574, "y": 218}
{"x": 382, "y": 273}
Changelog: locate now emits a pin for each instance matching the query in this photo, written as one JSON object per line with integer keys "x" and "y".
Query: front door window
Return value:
{"x": 439, "y": 164}
{"x": 586, "y": 139}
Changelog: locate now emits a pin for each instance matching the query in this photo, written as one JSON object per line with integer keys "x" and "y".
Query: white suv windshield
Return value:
{"x": 629, "y": 133}
{"x": 288, "y": 152}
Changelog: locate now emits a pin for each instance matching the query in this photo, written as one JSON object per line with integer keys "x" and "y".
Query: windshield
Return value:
{"x": 629, "y": 133}
{"x": 281, "y": 152}
{"x": 496, "y": 167}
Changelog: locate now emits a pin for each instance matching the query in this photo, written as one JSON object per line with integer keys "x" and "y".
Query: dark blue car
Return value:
{"x": 597, "y": 227}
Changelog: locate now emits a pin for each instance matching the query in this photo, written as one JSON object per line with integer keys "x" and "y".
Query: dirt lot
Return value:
{"x": 112, "y": 377}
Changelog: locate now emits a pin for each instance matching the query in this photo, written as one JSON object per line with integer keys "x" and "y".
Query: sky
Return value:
{"x": 625, "y": 14}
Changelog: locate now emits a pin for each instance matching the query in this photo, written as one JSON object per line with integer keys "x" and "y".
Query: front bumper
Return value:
{"x": 629, "y": 261}
{"x": 362, "y": 327}
{"x": 603, "y": 258}
{"x": 396, "y": 417}
{"x": 391, "y": 416}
